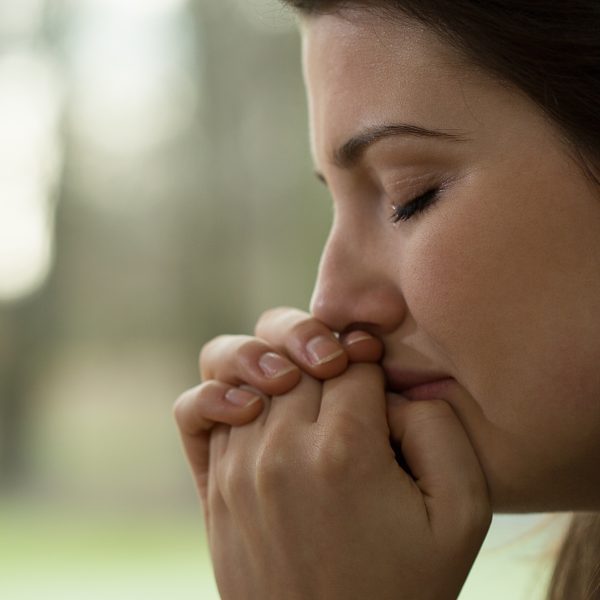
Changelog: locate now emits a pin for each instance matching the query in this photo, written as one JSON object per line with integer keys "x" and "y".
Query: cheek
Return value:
{"x": 500, "y": 292}
{"x": 510, "y": 304}
{"x": 461, "y": 293}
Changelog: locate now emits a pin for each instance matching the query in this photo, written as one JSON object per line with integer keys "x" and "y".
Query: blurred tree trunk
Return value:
{"x": 18, "y": 342}
{"x": 26, "y": 326}
{"x": 10, "y": 416}
{"x": 251, "y": 101}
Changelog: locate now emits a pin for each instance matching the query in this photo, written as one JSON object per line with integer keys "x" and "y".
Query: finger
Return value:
{"x": 356, "y": 396}
{"x": 242, "y": 440}
{"x": 237, "y": 359}
{"x": 219, "y": 438}
{"x": 212, "y": 499}
{"x": 302, "y": 404}
{"x": 442, "y": 460}
{"x": 308, "y": 342}
{"x": 361, "y": 346}
{"x": 199, "y": 408}
{"x": 266, "y": 404}
{"x": 213, "y": 502}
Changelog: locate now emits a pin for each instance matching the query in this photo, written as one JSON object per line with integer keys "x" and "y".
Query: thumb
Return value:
{"x": 440, "y": 458}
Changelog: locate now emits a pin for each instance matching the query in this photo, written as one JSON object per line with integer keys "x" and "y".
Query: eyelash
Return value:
{"x": 416, "y": 206}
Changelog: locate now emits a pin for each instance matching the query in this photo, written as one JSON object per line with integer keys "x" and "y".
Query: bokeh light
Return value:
{"x": 30, "y": 160}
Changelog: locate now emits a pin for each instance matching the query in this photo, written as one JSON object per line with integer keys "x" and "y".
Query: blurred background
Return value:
{"x": 156, "y": 190}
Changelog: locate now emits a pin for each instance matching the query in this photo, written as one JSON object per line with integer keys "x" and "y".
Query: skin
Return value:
{"x": 497, "y": 284}
{"x": 494, "y": 285}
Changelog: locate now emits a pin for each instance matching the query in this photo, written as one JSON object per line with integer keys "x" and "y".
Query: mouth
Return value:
{"x": 417, "y": 385}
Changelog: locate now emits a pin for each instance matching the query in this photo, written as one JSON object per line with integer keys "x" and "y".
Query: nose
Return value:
{"x": 357, "y": 286}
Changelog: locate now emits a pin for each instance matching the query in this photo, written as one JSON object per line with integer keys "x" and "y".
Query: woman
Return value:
{"x": 460, "y": 142}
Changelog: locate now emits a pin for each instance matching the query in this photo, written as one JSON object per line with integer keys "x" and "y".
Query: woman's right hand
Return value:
{"x": 236, "y": 370}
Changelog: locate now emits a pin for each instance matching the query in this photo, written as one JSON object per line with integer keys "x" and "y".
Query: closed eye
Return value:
{"x": 415, "y": 206}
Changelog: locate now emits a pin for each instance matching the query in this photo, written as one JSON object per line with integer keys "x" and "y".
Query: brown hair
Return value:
{"x": 550, "y": 50}
{"x": 577, "y": 571}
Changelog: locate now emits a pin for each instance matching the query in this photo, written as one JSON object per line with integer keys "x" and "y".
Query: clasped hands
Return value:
{"x": 288, "y": 440}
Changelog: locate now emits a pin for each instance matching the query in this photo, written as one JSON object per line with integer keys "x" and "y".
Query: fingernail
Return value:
{"x": 273, "y": 365}
{"x": 356, "y": 336}
{"x": 322, "y": 349}
{"x": 241, "y": 397}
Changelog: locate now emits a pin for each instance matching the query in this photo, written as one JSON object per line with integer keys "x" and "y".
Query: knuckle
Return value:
{"x": 476, "y": 511}
{"x": 271, "y": 465}
{"x": 190, "y": 406}
{"x": 333, "y": 464}
{"x": 214, "y": 495}
{"x": 218, "y": 353}
{"x": 178, "y": 408}
{"x": 276, "y": 316}
{"x": 361, "y": 370}
{"x": 334, "y": 456}
{"x": 207, "y": 351}
{"x": 267, "y": 316}
{"x": 301, "y": 327}
{"x": 207, "y": 347}
{"x": 472, "y": 512}
{"x": 441, "y": 407}
{"x": 349, "y": 428}
{"x": 473, "y": 529}
{"x": 431, "y": 410}
{"x": 482, "y": 517}
{"x": 247, "y": 348}
{"x": 183, "y": 404}
{"x": 233, "y": 479}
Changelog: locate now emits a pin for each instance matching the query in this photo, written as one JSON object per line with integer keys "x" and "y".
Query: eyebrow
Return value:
{"x": 350, "y": 152}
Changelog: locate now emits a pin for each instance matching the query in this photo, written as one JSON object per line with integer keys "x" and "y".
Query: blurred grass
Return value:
{"x": 73, "y": 555}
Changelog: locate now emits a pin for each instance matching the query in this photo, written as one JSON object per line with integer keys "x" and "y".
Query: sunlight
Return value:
{"x": 25, "y": 241}
{"x": 30, "y": 157}
{"x": 135, "y": 8}
{"x": 131, "y": 85}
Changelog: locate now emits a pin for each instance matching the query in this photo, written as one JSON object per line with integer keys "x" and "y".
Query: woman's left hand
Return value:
{"x": 307, "y": 502}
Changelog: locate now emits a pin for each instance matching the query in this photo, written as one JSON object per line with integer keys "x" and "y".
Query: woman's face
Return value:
{"x": 497, "y": 283}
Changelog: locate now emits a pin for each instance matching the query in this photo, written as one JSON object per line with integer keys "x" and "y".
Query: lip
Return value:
{"x": 417, "y": 385}
{"x": 433, "y": 389}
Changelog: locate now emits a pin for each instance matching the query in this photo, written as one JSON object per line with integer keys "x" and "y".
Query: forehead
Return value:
{"x": 363, "y": 70}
